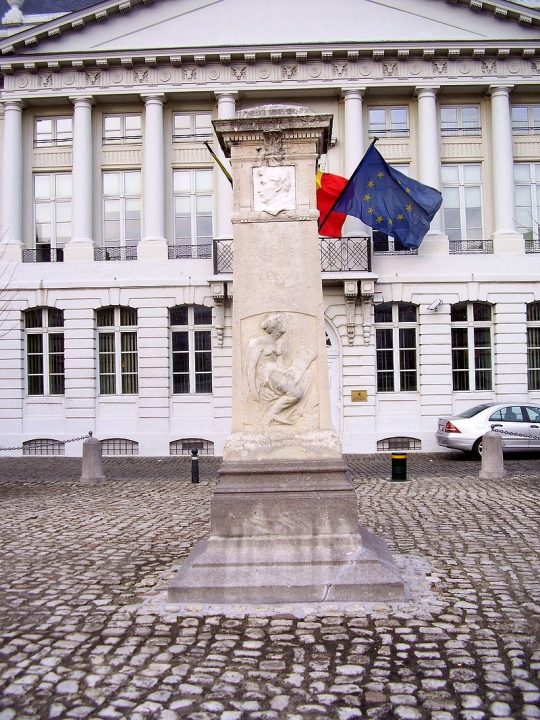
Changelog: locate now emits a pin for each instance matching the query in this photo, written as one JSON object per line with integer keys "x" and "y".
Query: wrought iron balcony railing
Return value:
{"x": 43, "y": 254}
{"x": 337, "y": 255}
{"x": 193, "y": 252}
{"x": 115, "y": 253}
{"x": 471, "y": 247}
{"x": 532, "y": 246}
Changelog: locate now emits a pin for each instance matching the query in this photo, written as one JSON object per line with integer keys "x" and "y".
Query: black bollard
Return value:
{"x": 194, "y": 466}
{"x": 399, "y": 467}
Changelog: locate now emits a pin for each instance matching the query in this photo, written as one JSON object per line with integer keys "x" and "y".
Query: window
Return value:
{"x": 471, "y": 346}
{"x": 462, "y": 202}
{"x": 186, "y": 445}
{"x": 399, "y": 443}
{"x": 395, "y": 339}
{"x": 119, "y": 446}
{"x": 189, "y": 127}
{"x": 460, "y": 120}
{"x": 191, "y": 349}
{"x": 122, "y": 208}
{"x": 50, "y": 131}
{"x": 527, "y": 192}
{"x": 117, "y": 350}
{"x": 533, "y": 345}
{"x": 43, "y": 446}
{"x": 526, "y": 119}
{"x": 52, "y": 213}
{"x": 44, "y": 332}
{"x": 192, "y": 207}
{"x": 122, "y": 129}
{"x": 388, "y": 122}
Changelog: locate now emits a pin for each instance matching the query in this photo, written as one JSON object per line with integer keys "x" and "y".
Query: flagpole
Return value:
{"x": 346, "y": 186}
{"x": 213, "y": 154}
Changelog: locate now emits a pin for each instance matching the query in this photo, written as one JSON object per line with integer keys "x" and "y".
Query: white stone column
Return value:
{"x": 81, "y": 246}
{"x": 354, "y": 149}
{"x": 429, "y": 165}
{"x": 12, "y": 185}
{"x": 223, "y": 229}
{"x": 153, "y": 245}
{"x": 505, "y": 237}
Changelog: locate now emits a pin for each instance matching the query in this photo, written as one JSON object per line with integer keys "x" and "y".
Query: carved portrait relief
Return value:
{"x": 279, "y": 374}
{"x": 274, "y": 189}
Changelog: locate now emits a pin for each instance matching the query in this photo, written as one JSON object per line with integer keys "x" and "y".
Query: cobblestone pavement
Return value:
{"x": 86, "y": 631}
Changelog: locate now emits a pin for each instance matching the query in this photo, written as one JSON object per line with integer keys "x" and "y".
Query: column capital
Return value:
{"x": 154, "y": 98}
{"x": 87, "y": 100}
{"x": 500, "y": 89}
{"x": 353, "y": 93}
{"x": 13, "y": 104}
{"x": 427, "y": 90}
{"x": 226, "y": 95}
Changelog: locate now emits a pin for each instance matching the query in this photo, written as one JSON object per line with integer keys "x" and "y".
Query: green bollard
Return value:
{"x": 399, "y": 467}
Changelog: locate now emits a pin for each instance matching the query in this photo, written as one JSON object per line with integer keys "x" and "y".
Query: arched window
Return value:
{"x": 44, "y": 332}
{"x": 396, "y": 331}
{"x": 191, "y": 343}
{"x": 533, "y": 345}
{"x": 119, "y": 446}
{"x": 117, "y": 350}
{"x": 43, "y": 446}
{"x": 186, "y": 445}
{"x": 472, "y": 362}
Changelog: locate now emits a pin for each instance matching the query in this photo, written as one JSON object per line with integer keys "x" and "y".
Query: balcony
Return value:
{"x": 44, "y": 254}
{"x": 337, "y": 255}
{"x": 115, "y": 253}
{"x": 471, "y": 247}
{"x": 532, "y": 246}
{"x": 190, "y": 252}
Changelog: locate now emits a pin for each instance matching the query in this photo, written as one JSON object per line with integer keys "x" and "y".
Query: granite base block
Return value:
{"x": 287, "y": 532}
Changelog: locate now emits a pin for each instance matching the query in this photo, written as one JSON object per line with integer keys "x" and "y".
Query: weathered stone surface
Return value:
{"x": 284, "y": 519}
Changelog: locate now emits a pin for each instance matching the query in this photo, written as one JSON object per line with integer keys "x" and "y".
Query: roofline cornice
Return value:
{"x": 275, "y": 54}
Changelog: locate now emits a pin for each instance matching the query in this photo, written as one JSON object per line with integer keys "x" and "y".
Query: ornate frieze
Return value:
{"x": 183, "y": 71}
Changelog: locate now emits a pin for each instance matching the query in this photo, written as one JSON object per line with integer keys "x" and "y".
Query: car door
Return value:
{"x": 533, "y": 414}
{"x": 513, "y": 425}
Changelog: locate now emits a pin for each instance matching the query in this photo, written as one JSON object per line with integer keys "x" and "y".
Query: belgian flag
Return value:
{"x": 329, "y": 188}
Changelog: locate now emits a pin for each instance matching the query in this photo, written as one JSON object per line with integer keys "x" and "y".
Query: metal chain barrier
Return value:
{"x": 44, "y": 445}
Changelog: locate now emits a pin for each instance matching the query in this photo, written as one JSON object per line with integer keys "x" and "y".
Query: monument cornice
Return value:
{"x": 36, "y": 80}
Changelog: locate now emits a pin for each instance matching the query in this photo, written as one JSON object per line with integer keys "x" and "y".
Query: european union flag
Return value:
{"x": 388, "y": 200}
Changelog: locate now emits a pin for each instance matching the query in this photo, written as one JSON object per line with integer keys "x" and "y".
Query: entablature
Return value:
{"x": 470, "y": 67}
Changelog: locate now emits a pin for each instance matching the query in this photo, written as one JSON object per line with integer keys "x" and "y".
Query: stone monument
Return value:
{"x": 284, "y": 518}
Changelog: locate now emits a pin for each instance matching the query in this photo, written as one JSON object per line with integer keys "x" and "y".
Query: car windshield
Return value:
{"x": 471, "y": 412}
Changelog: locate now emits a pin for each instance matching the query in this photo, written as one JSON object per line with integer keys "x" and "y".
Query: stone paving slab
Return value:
{"x": 86, "y": 632}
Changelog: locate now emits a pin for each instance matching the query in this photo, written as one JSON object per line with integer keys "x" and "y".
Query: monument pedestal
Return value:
{"x": 284, "y": 515}
{"x": 287, "y": 531}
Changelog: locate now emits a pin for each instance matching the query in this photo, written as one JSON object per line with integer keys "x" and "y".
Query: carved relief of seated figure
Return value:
{"x": 278, "y": 386}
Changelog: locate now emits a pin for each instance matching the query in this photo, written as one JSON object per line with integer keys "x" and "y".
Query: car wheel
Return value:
{"x": 477, "y": 449}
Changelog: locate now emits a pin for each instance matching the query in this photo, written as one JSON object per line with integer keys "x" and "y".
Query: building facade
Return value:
{"x": 117, "y": 245}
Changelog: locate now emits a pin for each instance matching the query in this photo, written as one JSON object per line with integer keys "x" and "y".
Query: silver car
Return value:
{"x": 518, "y": 423}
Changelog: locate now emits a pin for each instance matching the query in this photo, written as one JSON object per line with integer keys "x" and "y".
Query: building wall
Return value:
{"x": 506, "y": 278}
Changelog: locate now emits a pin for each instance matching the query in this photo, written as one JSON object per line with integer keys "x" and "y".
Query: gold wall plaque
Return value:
{"x": 358, "y": 395}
